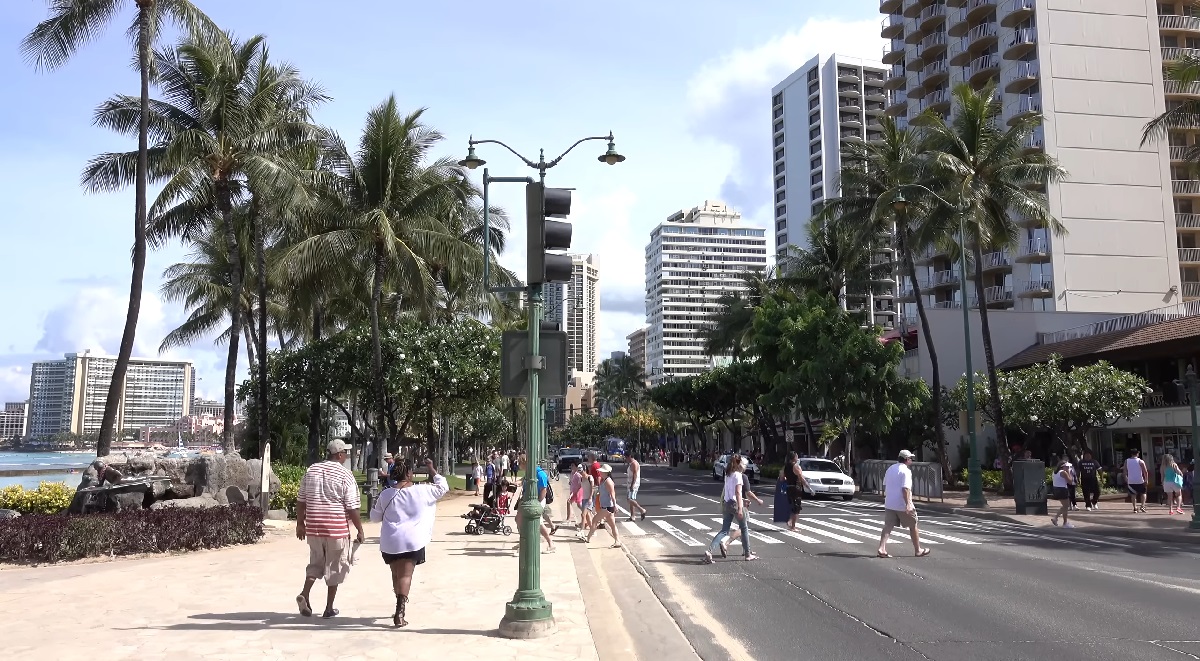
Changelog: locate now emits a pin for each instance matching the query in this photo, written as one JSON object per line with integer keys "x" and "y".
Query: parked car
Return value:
{"x": 567, "y": 460}
{"x": 825, "y": 478}
{"x": 749, "y": 467}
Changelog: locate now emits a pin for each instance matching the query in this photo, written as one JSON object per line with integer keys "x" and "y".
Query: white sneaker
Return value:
{"x": 1096, "y": 506}
{"x": 1068, "y": 524}
{"x": 1054, "y": 520}
{"x": 1089, "y": 508}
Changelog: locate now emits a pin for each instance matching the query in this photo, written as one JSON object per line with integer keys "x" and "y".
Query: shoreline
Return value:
{"x": 25, "y": 472}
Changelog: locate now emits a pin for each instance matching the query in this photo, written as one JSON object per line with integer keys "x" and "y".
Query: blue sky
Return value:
{"x": 685, "y": 86}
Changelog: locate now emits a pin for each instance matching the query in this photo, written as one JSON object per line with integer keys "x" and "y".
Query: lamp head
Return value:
{"x": 611, "y": 156}
{"x": 899, "y": 203}
{"x": 471, "y": 161}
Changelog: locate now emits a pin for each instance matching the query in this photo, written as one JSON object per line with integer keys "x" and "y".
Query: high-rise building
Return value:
{"x": 693, "y": 258}
{"x": 208, "y": 407}
{"x": 554, "y": 299}
{"x": 583, "y": 312}
{"x": 815, "y": 112}
{"x": 12, "y": 420}
{"x": 69, "y": 395}
{"x": 1094, "y": 72}
{"x": 637, "y": 348}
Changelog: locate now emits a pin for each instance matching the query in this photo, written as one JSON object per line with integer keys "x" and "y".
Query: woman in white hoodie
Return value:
{"x": 407, "y": 512}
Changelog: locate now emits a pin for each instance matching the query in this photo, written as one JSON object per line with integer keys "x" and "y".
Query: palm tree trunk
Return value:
{"x": 117, "y": 386}
{"x": 235, "y": 312}
{"x": 249, "y": 335}
{"x": 314, "y": 404}
{"x": 808, "y": 434}
{"x": 377, "y": 357}
{"x": 260, "y": 263}
{"x": 989, "y": 357}
{"x": 910, "y": 265}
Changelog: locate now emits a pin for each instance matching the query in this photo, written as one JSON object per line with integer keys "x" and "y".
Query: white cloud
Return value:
{"x": 729, "y": 97}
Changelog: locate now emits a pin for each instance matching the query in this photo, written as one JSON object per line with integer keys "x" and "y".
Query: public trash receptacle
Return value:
{"x": 470, "y": 482}
{"x": 1029, "y": 487}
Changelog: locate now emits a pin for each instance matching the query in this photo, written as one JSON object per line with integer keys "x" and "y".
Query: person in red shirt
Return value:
{"x": 327, "y": 504}
{"x": 594, "y": 469}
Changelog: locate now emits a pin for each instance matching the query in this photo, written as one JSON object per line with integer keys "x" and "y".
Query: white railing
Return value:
{"x": 1187, "y": 220}
{"x": 932, "y": 11}
{"x": 1042, "y": 283}
{"x": 1191, "y": 289}
{"x": 972, "y": 5}
{"x": 1035, "y": 140}
{"x": 1124, "y": 323}
{"x": 985, "y": 62}
{"x": 935, "y": 39}
{"x": 1011, "y": 6}
{"x": 1174, "y": 22}
{"x": 1175, "y": 87}
{"x": 1037, "y": 246}
{"x": 934, "y": 98}
{"x": 891, "y": 21}
{"x": 933, "y": 68}
{"x": 1026, "y": 70}
{"x": 1179, "y": 153}
{"x": 1187, "y": 186}
{"x": 1171, "y": 53}
{"x": 980, "y": 31}
{"x": 997, "y": 260}
{"x": 946, "y": 305}
{"x": 941, "y": 278}
{"x": 1189, "y": 255}
{"x": 997, "y": 294}
{"x": 899, "y": 96}
{"x": 1029, "y": 103}
{"x": 1023, "y": 36}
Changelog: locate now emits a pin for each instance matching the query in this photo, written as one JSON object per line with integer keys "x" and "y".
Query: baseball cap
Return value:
{"x": 388, "y": 455}
{"x": 337, "y": 445}
{"x": 605, "y": 468}
{"x": 905, "y": 454}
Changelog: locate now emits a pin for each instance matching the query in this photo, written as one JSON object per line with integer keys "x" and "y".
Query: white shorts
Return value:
{"x": 1171, "y": 487}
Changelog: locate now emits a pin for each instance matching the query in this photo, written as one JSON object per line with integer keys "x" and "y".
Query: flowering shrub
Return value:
{"x": 285, "y": 499}
{"x": 59, "y": 537}
{"x": 47, "y": 498}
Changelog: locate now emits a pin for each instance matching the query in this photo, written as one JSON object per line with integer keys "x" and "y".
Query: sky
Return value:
{"x": 683, "y": 85}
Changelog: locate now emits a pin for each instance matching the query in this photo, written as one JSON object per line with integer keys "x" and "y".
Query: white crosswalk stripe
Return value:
{"x": 878, "y": 526}
{"x": 852, "y": 531}
{"x": 826, "y": 533}
{"x": 696, "y": 524}
{"x": 760, "y": 537}
{"x": 632, "y": 528}
{"x": 677, "y": 533}
{"x": 992, "y": 530}
{"x": 787, "y": 533}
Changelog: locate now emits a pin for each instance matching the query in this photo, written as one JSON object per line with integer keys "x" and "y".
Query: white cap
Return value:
{"x": 905, "y": 454}
{"x": 337, "y": 445}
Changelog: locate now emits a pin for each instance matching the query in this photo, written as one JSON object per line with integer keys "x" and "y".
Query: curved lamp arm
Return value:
{"x": 472, "y": 142}
{"x": 608, "y": 137}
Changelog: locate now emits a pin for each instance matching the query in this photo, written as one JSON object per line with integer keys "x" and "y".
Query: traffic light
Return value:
{"x": 541, "y": 204}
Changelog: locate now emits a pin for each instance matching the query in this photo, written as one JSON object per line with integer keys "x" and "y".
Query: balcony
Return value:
{"x": 997, "y": 296}
{"x": 906, "y": 293}
{"x": 1036, "y": 141}
{"x": 1038, "y": 287}
{"x": 898, "y": 104}
{"x": 983, "y": 68}
{"x": 852, "y": 121}
{"x": 943, "y": 279}
{"x": 981, "y": 36}
{"x": 1014, "y": 12}
{"x": 938, "y": 99}
{"x": 892, "y": 26}
{"x": 1022, "y": 41}
{"x": 1172, "y": 54}
{"x": 890, "y": 6}
{"x": 849, "y": 90}
{"x": 875, "y": 93}
{"x": 1189, "y": 255}
{"x": 933, "y": 44}
{"x": 935, "y": 72}
{"x": 1027, "y": 104}
{"x": 977, "y": 9}
{"x": 1187, "y": 220}
{"x": 997, "y": 261}
{"x": 1185, "y": 186}
{"x": 1179, "y": 153}
{"x": 896, "y": 77}
{"x": 893, "y": 53}
{"x": 1033, "y": 251}
{"x": 1022, "y": 76}
{"x": 1172, "y": 22}
{"x": 946, "y": 305}
{"x": 1191, "y": 290}
{"x": 850, "y": 105}
{"x": 848, "y": 75}
{"x": 931, "y": 16}
{"x": 1172, "y": 87}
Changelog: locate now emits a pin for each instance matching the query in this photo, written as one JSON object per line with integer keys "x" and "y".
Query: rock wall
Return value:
{"x": 208, "y": 480}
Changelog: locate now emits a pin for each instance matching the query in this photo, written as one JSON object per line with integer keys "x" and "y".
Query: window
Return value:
{"x": 778, "y": 126}
{"x": 812, "y": 105}
{"x": 815, "y": 163}
{"x": 777, "y": 100}
{"x": 1165, "y": 9}
{"x": 816, "y": 209}
{"x": 778, "y": 113}
{"x": 815, "y": 179}
{"x": 779, "y": 182}
{"x": 814, "y": 118}
{"x": 814, "y": 149}
{"x": 780, "y": 197}
{"x": 779, "y": 154}
{"x": 778, "y": 140}
{"x": 780, "y": 225}
{"x": 814, "y": 88}
{"x": 779, "y": 168}
{"x": 812, "y": 75}
{"x": 781, "y": 211}
{"x": 814, "y": 134}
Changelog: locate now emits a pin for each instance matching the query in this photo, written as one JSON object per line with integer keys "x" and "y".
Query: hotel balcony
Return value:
{"x": 934, "y": 73}
{"x": 1022, "y": 41}
{"x": 898, "y": 105}
{"x": 981, "y": 36}
{"x": 1179, "y": 153}
{"x": 1036, "y": 141}
{"x": 1027, "y": 104}
{"x": 932, "y": 45}
{"x": 1173, "y": 87}
{"x": 890, "y": 6}
{"x": 983, "y": 68}
{"x": 942, "y": 279}
{"x": 912, "y": 8}
{"x": 896, "y": 77}
{"x": 931, "y": 16}
{"x": 1189, "y": 255}
{"x": 937, "y": 99}
{"x": 977, "y": 9}
{"x": 997, "y": 261}
{"x": 1182, "y": 23}
{"x": 1033, "y": 251}
{"x": 846, "y": 75}
{"x": 1173, "y": 54}
{"x": 1042, "y": 287}
{"x": 996, "y": 297}
{"x": 1021, "y": 77}
{"x": 893, "y": 53}
{"x": 1188, "y": 220}
{"x": 1191, "y": 290}
{"x": 1185, "y": 186}
{"x": 892, "y": 26}
{"x": 1014, "y": 12}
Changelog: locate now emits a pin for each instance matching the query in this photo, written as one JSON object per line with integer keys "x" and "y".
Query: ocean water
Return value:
{"x": 62, "y": 462}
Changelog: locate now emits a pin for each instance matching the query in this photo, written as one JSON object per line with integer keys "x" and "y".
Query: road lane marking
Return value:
{"x": 826, "y": 533}
{"x": 788, "y": 533}
{"x": 852, "y": 531}
{"x": 878, "y": 525}
{"x": 759, "y": 536}
{"x": 1019, "y": 528}
{"x": 677, "y": 533}
{"x": 1003, "y": 531}
{"x": 633, "y": 528}
{"x": 696, "y": 524}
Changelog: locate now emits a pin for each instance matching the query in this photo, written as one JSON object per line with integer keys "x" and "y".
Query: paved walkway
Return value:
{"x": 238, "y": 603}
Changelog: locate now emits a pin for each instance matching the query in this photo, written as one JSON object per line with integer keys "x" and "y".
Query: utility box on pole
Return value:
{"x": 514, "y": 370}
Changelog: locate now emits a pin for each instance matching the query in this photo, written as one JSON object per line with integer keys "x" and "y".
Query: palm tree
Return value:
{"x": 873, "y": 176}
{"x": 620, "y": 382}
{"x": 838, "y": 262}
{"x": 1179, "y": 114}
{"x": 382, "y": 218}
{"x": 989, "y": 175}
{"x": 220, "y": 134}
{"x": 51, "y": 44}
{"x": 729, "y": 329}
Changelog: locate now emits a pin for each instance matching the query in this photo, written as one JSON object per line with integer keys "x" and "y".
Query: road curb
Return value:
{"x": 1098, "y": 529}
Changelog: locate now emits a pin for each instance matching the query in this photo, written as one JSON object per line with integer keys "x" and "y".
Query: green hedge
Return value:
{"x": 47, "y": 498}
{"x": 700, "y": 465}
{"x": 771, "y": 471}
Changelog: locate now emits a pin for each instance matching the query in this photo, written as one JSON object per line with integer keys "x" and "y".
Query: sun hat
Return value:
{"x": 605, "y": 468}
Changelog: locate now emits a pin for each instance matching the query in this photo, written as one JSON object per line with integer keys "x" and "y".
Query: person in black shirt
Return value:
{"x": 1089, "y": 479}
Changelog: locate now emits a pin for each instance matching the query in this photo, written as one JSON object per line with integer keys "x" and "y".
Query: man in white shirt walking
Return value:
{"x": 898, "y": 505}
{"x": 1136, "y": 477}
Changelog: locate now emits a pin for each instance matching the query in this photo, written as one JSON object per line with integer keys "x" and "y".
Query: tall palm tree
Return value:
{"x": 219, "y": 135}
{"x": 729, "y": 329}
{"x": 837, "y": 263}
{"x": 382, "y": 218}
{"x": 620, "y": 382}
{"x": 51, "y": 44}
{"x": 1179, "y": 114}
{"x": 873, "y": 176}
{"x": 987, "y": 172}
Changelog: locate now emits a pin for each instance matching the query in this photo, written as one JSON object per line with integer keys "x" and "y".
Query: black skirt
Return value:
{"x": 795, "y": 497}
{"x": 417, "y": 557}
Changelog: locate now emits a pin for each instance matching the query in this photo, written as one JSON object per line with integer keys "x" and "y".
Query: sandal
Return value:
{"x": 617, "y": 545}
{"x": 330, "y": 612}
{"x": 398, "y": 618}
{"x": 883, "y": 554}
{"x": 302, "y": 602}
{"x": 922, "y": 553}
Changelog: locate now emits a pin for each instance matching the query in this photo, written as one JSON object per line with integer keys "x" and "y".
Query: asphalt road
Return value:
{"x": 989, "y": 591}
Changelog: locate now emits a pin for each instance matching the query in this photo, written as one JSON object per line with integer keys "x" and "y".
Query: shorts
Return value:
{"x": 588, "y": 505}
{"x": 1137, "y": 489}
{"x": 328, "y": 558}
{"x": 1061, "y": 493}
{"x": 633, "y": 493}
{"x": 899, "y": 518}
{"x": 611, "y": 509}
{"x": 1171, "y": 487}
{"x": 417, "y": 557}
{"x": 795, "y": 500}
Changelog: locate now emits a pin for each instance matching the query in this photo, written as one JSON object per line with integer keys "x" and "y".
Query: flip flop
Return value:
{"x": 305, "y": 609}
{"x": 883, "y": 555}
{"x": 615, "y": 546}
{"x": 330, "y": 612}
{"x": 923, "y": 552}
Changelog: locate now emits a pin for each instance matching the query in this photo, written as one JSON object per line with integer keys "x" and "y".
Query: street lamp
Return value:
{"x": 1190, "y": 378}
{"x": 529, "y": 614}
{"x": 974, "y": 472}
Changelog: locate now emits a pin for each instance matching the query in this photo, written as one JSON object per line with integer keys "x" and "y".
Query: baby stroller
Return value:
{"x": 485, "y": 518}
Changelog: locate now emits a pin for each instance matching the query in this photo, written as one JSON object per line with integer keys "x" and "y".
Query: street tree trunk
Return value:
{"x": 380, "y": 412}
{"x": 989, "y": 357}
{"x": 225, "y": 205}
{"x": 260, "y": 263}
{"x": 116, "y": 387}
{"x": 910, "y": 266}
{"x": 314, "y": 403}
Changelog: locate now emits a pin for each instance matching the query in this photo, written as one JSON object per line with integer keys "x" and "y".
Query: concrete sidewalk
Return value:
{"x": 1115, "y": 517}
{"x": 238, "y": 603}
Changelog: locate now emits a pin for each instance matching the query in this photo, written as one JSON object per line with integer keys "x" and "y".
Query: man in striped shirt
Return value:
{"x": 326, "y": 506}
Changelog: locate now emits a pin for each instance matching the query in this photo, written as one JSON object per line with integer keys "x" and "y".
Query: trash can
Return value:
{"x": 470, "y": 482}
{"x": 1029, "y": 487}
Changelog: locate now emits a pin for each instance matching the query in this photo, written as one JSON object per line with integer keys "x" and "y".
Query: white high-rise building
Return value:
{"x": 583, "y": 312}
{"x": 68, "y": 396}
{"x": 815, "y": 112}
{"x": 12, "y": 420}
{"x": 692, "y": 259}
{"x": 1093, "y": 69}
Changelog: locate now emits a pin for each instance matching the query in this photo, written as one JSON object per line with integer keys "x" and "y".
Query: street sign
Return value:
{"x": 514, "y": 364}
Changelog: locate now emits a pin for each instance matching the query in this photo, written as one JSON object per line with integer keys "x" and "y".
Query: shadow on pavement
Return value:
{"x": 254, "y": 621}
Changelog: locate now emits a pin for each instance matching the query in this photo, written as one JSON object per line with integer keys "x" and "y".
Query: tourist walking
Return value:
{"x": 407, "y": 512}
{"x": 385, "y": 473}
{"x": 326, "y": 505}
{"x": 1172, "y": 481}
{"x": 1089, "y": 479}
{"x": 476, "y": 474}
{"x": 633, "y": 470}
{"x": 587, "y": 505}
{"x": 608, "y": 506}
{"x": 542, "y": 484}
{"x": 796, "y": 486}
{"x": 1136, "y": 477}
{"x": 1060, "y": 484}
{"x": 898, "y": 507}
{"x": 575, "y": 488}
{"x": 736, "y": 533}
{"x": 1073, "y": 487}
{"x": 504, "y": 464}
{"x": 733, "y": 504}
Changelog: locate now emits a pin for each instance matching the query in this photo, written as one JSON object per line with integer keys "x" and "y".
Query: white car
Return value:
{"x": 748, "y": 466}
{"x": 825, "y": 478}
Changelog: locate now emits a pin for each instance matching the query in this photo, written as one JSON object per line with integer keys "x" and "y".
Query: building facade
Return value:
{"x": 637, "y": 348}
{"x": 583, "y": 313}
{"x": 1093, "y": 70}
{"x": 693, "y": 258}
{"x": 68, "y": 396}
{"x": 13, "y": 420}
{"x": 208, "y": 407}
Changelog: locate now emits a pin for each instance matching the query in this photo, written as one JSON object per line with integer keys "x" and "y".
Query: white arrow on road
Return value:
{"x": 676, "y": 508}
